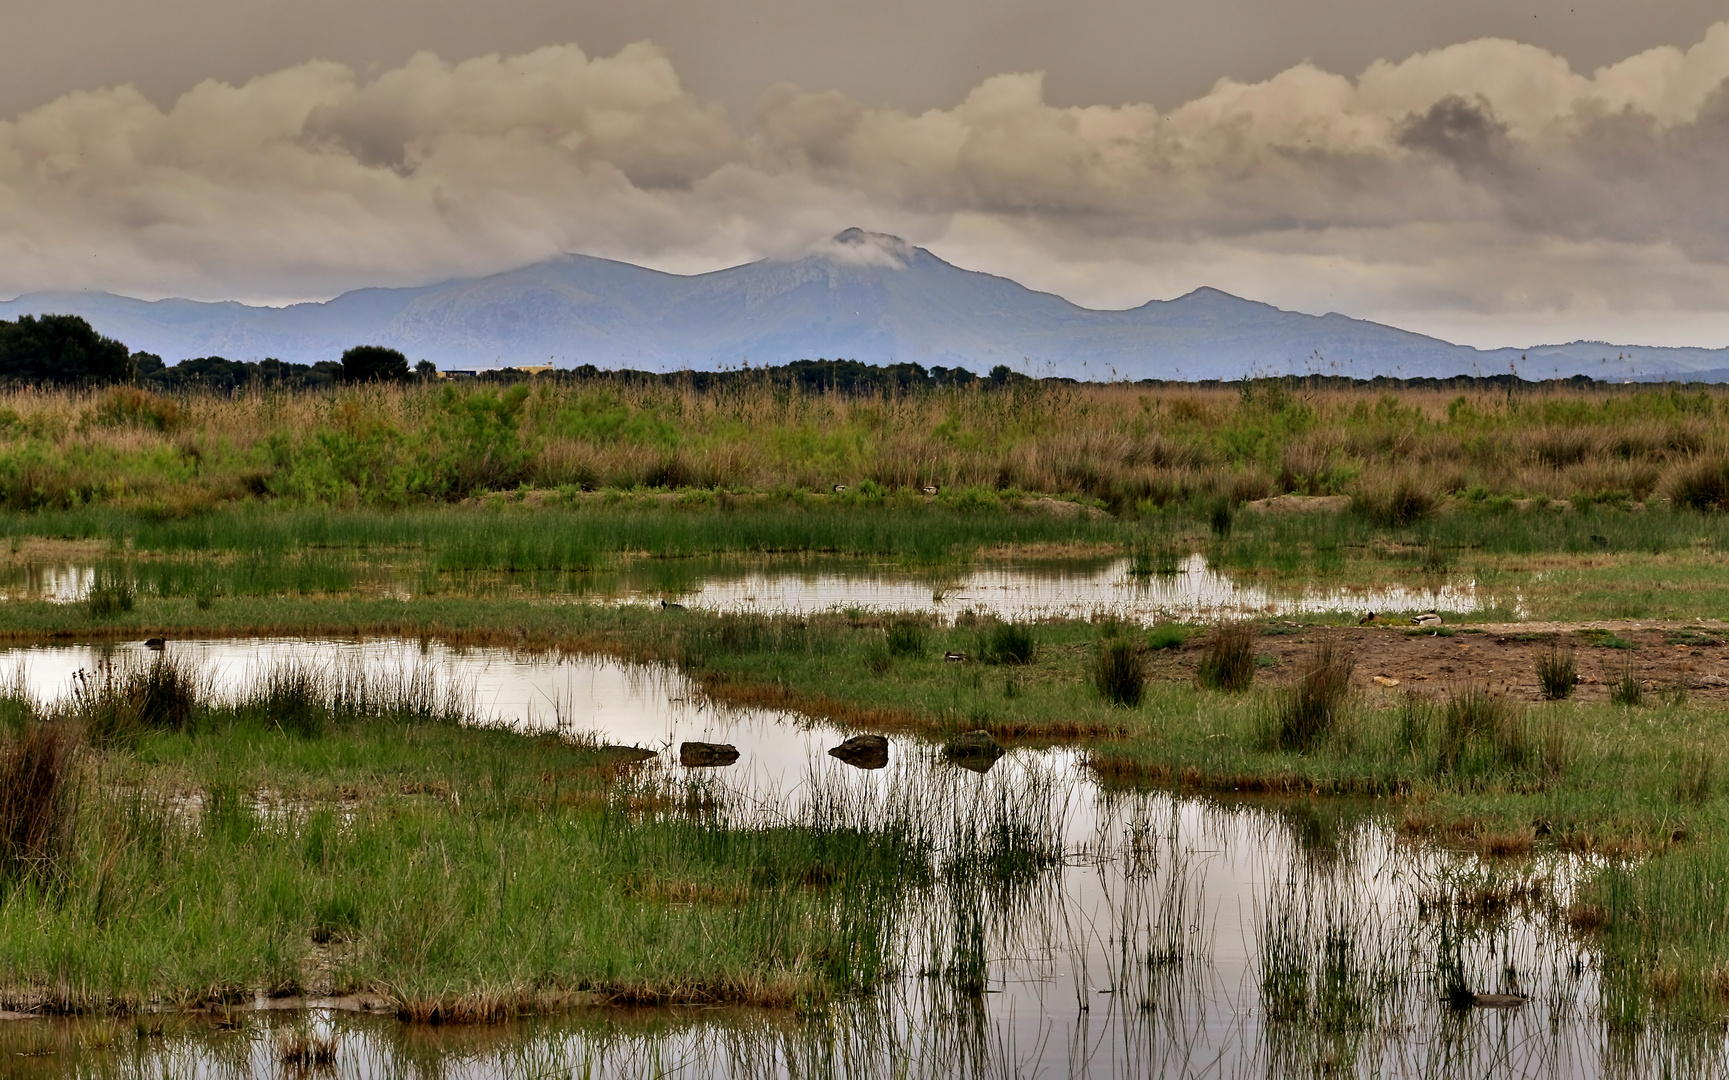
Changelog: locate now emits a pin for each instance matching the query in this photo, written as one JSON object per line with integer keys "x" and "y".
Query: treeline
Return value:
{"x": 65, "y": 351}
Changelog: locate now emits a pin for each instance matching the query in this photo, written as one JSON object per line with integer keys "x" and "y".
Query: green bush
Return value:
{"x": 1229, "y": 662}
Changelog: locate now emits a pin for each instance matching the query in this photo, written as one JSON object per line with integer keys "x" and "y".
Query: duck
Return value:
{"x": 955, "y": 657}
{"x": 840, "y": 489}
{"x": 1428, "y": 618}
{"x": 929, "y": 489}
{"x": 1367, "y": 619}
{"x": 668, "y": 605}
{"x": 156, "y": 644}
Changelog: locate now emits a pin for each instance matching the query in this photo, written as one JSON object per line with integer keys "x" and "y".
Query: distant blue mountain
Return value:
{"x": 865, "y": 296}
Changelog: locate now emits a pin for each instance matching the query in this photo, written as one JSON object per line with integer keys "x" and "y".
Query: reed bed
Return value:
{"x": 1396, "y": 452}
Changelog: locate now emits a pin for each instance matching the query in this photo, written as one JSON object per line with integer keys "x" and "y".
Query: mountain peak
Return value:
{"x": 861, "y": 247}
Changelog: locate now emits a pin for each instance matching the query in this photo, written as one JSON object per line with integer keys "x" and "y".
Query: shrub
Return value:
{"x": 1221, "y": 517}
{"x": 1117, "y": 673}
{"x": 906, "y": 639}
{"x": 1557, "y": 673}
{"x": 1415, "y": 718}
{"x": 1009, "y": 643}
{"x": 37, "y": 780}
{"x": 1309, "y": 711}
{"x": 1229, "y": 662}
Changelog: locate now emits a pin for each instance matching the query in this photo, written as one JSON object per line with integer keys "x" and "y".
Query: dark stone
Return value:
{"x": 975, "y": 750}
{"x": 863, "y": 751}
{"x": 706, "y": 755}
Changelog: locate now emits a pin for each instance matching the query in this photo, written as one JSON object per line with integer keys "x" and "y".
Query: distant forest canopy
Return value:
{"x": 65, "y": 351}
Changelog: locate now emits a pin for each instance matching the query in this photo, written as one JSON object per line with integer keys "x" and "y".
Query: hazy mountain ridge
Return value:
{"x": 865, "y": 296}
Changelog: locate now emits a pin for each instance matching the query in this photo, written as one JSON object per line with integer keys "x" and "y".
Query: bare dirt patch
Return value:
{"x": 1667, "y": 658}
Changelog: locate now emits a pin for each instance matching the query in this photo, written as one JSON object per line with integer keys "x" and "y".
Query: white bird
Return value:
{"x": 838, "y": 488}
{"x": 1428, "y": 618}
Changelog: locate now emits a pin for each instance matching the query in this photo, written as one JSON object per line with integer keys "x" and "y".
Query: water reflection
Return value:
{"x": 1073, "y": 589}
{"x": 1065, "y": 929}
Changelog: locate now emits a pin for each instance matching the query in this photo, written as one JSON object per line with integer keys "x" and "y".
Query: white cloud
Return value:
{"x": 1478, "y": 182}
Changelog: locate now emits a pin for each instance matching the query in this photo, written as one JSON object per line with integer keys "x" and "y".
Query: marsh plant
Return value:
{"x": 1310, "y": 711}
{"x": 38, "y": 800}
{"x": 1008, "y": 643}
{"x": 906, "y": 638}
{"x": 1695, "y": 775}
{"x": 1627, "y": 688}
{"x": 1482, "y": 732}
{"x": 1557, "y": 672}
{"x": 1229, "y": 662}
{"x": 1118, "y": 674}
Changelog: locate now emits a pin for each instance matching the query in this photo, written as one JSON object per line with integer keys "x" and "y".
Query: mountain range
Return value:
{"x": 863, "y": 296}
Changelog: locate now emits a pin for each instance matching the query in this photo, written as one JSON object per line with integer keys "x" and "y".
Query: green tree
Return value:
{"x": 61, "y": 350}
{"x": 373, "y": 363}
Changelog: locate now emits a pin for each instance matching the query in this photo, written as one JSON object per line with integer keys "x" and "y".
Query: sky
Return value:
{"x": 1497, "y": 172}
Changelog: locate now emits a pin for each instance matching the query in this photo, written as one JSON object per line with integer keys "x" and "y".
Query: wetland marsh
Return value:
{"x": 1227, "y": 823}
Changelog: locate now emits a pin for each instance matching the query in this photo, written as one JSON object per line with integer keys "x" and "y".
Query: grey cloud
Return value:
{"x": 1484, "y": 177}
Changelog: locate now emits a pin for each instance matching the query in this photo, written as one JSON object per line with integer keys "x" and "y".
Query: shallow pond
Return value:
{"x": 1172, "y": 937}
{"x": 1080, "y": 588}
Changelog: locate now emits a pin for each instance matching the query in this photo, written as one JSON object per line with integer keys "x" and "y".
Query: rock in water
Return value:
{"x": 706, "y": 755}
{"x": 1498, "y": 1001}
{"x": 975, "y": 750}
{"x": 863, "y": 751}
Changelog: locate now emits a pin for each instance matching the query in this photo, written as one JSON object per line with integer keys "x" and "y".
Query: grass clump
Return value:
{"x": 1310, "y": 711}
{"x": 1229, "y": 662}
{"x": 1695, "y": 775}
{"x": 1167, "y": 636}
{"x": 1702, "y": 484}
{"x": 111, "y": 593}
{"x": 1627, "y": 689}
{"x": 38, "y": 808}
{"x": 1394, "y": 503}
{"x": 1008, "y": 643}
{"x": 118, "y": 703}
{"x": 906, "y": 638}
{"x": 1557, "y": 673}
{"x": 1118, "y": 674}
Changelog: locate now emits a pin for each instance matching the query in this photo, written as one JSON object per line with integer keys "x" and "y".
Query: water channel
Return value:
{"x": 1155, "y": 946}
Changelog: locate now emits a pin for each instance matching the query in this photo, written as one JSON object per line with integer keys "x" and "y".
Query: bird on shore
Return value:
{"x": 1428, "y": 618}
{"x": 954, "y": 657}
{"x": 668, "y": 605}
{"x": 840, "y": 489}
{"x": 1367, "y": 619}
{"x": 156, "y": 644}
{"x": 929, "y": 489}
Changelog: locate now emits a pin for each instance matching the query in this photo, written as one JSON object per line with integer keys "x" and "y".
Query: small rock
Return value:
{"x": 863, "y": 751}
{"x": 975, "y": 750}
{"x": 1710, "y": 682}
{"x": 706, "y": 755}
{"x": 1382, "y": 680}
{"x": 1498, "y": 1001}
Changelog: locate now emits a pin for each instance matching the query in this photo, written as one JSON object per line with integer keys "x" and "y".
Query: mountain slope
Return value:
{"x": 865, "y": 296}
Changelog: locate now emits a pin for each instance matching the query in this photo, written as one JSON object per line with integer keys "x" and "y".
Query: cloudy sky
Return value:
{"x": 1495, "y": 171}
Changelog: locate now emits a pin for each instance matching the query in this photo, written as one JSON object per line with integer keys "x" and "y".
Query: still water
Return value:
{"x": 1174, "y": 936}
